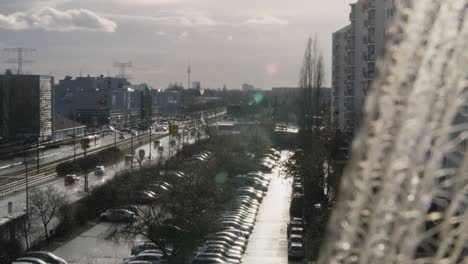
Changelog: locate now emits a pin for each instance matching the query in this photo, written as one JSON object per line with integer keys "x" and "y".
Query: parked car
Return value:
{"x": 208, "y": 255}
{"x": 25, "y": 260}
{"x": 118, "y": 215}
{"x": 137, "y": 249}
{"x": 296, "y": 250}
{"x": 152, "y": 258}
{"x": 144, "y": 196}
{"x": 295, "y": 239}
{"x": 46, "y": 256}
{"x": 225, "y": 251}
{"x": 71, "y": 179}
{"x": 99, "y": 171}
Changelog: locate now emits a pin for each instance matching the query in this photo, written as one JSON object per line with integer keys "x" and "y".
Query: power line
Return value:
{"x": 122, "y": 67}
{"x": 20, "y": 53}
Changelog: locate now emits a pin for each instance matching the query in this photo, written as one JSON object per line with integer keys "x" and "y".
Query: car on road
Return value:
{"x": 134, "y": 133}
{"x": 25, "y": 260}
{"x": 45, "y": 256}
{"x": 118, "y": 215}
{"x": 99, "y": 171}
{"x": 71, "y": 179}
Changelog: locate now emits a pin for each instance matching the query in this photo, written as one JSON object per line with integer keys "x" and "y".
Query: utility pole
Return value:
{"x": 115, "y": 137}
{"x": 74, "y": 138}
{"x": 150, "y": 144}
{"x": 37, "y": 156}
{"x": 21, "y": 52}
{"x": 27, "y": 183}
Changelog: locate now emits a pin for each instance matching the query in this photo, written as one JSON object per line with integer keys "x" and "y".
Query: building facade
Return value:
{"x": 166, "y": 102}
{"x": 365, "y": 43}
{"x": 98, "y": 101}
{"x": 339, "y": 77}
{"x": 25, "y": 107}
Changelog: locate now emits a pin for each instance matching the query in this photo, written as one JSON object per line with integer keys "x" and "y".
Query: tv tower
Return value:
{"x": 189, "y": 71}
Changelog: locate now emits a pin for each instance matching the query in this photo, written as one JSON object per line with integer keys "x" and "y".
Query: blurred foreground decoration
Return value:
{"x": 404, "y": 194}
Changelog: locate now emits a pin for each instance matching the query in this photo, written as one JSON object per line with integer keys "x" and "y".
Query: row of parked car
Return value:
{"x": 295, "y": 228}
{"x": 236, "y": 222}
{"x": 39, "y": 257}
{"x": 128, "y": 213}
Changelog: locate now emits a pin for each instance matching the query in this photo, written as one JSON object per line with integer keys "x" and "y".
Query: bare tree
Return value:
{"x": 311, "y": 80}
{"x": 45, "y": 205}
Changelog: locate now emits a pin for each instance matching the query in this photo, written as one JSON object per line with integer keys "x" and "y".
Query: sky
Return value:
{"x": 226, "y": 42}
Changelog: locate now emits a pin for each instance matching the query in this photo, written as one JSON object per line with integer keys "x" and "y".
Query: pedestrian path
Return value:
{"x": 268, "y": 241}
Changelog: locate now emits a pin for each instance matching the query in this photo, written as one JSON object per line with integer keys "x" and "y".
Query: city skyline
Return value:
{"x": 263, "y": 40}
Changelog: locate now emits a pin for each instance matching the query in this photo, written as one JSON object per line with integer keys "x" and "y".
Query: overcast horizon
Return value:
{"x": 260, "y": 42}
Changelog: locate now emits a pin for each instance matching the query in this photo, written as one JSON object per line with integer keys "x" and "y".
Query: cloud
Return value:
{"x": 183, "y": 35}
{"x": 229, "y": 37}
{"x": 161, "y": 33}
{"x": 51, "y": 19}
{"x": 265, "y": 20}
{"x": 170, "y": 20}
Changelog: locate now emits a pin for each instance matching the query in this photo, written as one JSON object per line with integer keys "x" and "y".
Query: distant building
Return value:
{"x": 285, "y": 101}
{"x": 166, "y": 102}
{"x": 248, "y": 87}
{"x": 66, "y": 128}
{"x": 25, "y": 107}
{"x": 196, "y": 85}
{"x": 98, "y": 101}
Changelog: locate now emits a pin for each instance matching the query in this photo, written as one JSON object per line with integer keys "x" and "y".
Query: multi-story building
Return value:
{"x": 166, "y": 102}
{"x": 97, "y": 101}
{"x": 339, "y": 76}
{"x": 365, "y": 43}
{"x": 25, "y": 107}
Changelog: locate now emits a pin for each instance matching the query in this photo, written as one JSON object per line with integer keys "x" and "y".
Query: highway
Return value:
{"x": 76, "y": 191}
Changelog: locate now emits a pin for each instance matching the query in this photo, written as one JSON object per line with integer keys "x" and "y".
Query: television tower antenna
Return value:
{"x": 20, "y": 52}
{"x": 122, "y": 67}
{"x": 189, "y": 71}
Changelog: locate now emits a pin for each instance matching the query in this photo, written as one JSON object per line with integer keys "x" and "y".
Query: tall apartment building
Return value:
{"x": 25, "y": 107}
{"x": 339, "y": 76}
{"x": 365, "y": 42}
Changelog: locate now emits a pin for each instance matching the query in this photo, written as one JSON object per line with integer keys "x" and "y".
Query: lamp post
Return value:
{"x": 37, "y": 156}
{"x": 74, "y": 137}
{"x": 115, "y": 137}
{"x": 27, "y": 183}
